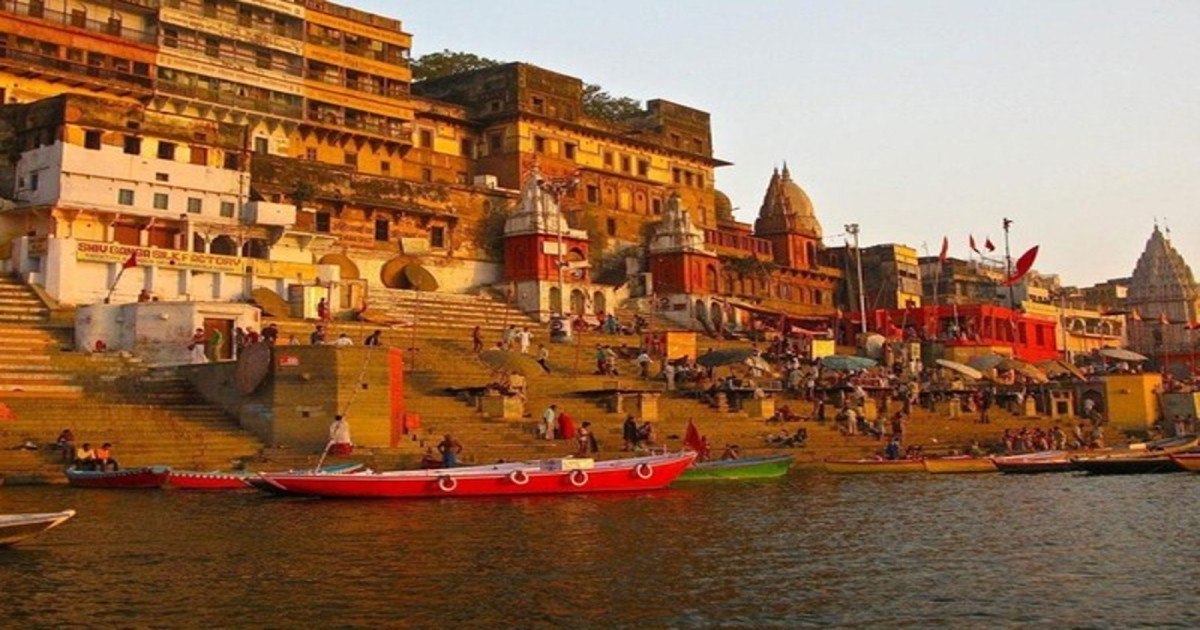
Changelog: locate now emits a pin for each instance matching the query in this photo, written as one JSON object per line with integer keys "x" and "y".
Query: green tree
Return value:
{"x": 598, "y": 103}
{"x": 448, "y": 62}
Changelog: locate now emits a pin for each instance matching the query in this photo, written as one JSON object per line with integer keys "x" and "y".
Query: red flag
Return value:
{"x": 1135, "y": 315}
{"x": 945, "y": 249}
{"x": 987, "y": 244}
{"x": 131, "y": 261}
{"x": 973, "y": 247}
{"x": 692, "y": 438}
{"x": 1024, "y": 264}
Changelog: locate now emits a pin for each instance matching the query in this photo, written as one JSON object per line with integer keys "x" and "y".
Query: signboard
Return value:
{"x": 91, "y": 251}
{"x": 288, "y": 360}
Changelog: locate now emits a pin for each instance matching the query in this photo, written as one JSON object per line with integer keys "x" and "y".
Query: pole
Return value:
{"x": 1062, "y": 323}
{"x": 852, "y": 229}
{"x": 1012, "y": 300}
{"x": 416, "y": 313}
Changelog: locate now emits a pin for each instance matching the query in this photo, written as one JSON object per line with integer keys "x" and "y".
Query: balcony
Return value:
{"x": 113, "y": 28}
{"x": 267, "y": 213}
{"x": 217, "y": 97}
{"x": 739, "y": 242}
{"x": 73, "y": 72}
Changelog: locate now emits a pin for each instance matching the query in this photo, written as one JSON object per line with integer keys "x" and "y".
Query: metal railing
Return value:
{"x": 225, "y": 98}
{"x": 108, "y": 27}
{"x": 74, "y": 67}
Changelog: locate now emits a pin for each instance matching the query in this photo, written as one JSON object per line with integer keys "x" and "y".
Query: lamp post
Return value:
{"x": 556, "y": 187}
{"x": 852, "y": 229}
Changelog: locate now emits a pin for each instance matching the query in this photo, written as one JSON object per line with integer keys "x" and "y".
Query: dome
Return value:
{"x": 722, "y": 206}
{"x": 787, "y": 208}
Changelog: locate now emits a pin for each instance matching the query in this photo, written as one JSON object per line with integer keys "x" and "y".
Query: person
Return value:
{"x": 1097, "y": 436}
{"x": 643, "y": 361}
{"x": 85, "y": 457}
{"x": 374, "y": 339}
{"x": 323, "y": 310}
{"x": 566, "y": 426}
{"x": 317, "y": 338}
{"x": 477, "y": 340}
{"x": 584, "y": 439}
{"x": 546, "y": 428}
{"x": 544, "y": 357}
{"x": 339, "y": 437}
{"x": 270, "y": 333}
{"x": 629, "y": 433}
{"x": 103, "y": 458}
{"x": 213, "y": 345}
{"x": 65, "y": 443}
{"x": 428, "y": 461}
{"x": 646, "y": 434}
{"x": 893, "y": 448}
{"x": 732, "y": 451}
{"x": 450, "y": 449}
{"x": 985, "y": 405}
{"x": 144, "y": 296}
{"x": 524, "y": 337}
{"x": 197, "y": 347}
{"x": 239, "y": 340}
{"x": 669, "y": 375}
{"x": 293, "y": 340}
{"x": 343, "y": 340}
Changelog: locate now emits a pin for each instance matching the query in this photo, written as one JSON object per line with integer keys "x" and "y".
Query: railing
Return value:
{"x": 741, "y": 242}
{"x": 283, "y": 30}
{"x": 75, "y": 67}
{"x": 107, "y": 27}
{"x": 232, "y": 100}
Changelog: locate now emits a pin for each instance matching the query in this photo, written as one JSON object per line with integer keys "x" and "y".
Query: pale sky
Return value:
{"x": 1079, "y": 120}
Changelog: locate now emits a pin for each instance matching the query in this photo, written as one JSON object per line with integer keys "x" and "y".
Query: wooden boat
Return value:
{"x": 148, "y": 477}
{"x": 953, "y": 464}
{"x": 1189, "y": 461}
{"x": 749, "y": 468}
{"x": 240, "y": 480}
{"x": 552, "y": 476}
{"x": 1034, "y": 463}
{"x": 1128, "y": 465}
{"x": 17, "y": 527}
{"x": 870, "y": 465}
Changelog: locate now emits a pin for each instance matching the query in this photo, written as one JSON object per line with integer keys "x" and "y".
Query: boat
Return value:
{"x": 1034, "y": 463}
{"x": 952, "y": 464}
{"x": 146, "y": 477}
{"x": 1151, "y": 457}
{"x": 872, "y": 465}
{"x": 239, "y": 480}
{"x": 1189, "y": 461}
{"x": 17, "y": 527}
{"x": 551, "y": 476}
{"x": 749, "y": 468}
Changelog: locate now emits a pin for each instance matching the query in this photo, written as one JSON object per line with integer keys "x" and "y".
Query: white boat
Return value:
{"x": 17, "y": 527}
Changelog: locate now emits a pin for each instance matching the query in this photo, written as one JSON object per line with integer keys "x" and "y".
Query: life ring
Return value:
{"x": 447, "y": 483}
{"x": 664, "y": 302}
{"x": 556, "y": 325}
{"x": 643, "y": 471}
{"x": 578, "y": 478}
{"x": 518, "y": 477}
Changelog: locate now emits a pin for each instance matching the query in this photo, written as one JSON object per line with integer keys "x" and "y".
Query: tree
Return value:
{"x": 598, "y": 103}
{"x": 448, "y": 62}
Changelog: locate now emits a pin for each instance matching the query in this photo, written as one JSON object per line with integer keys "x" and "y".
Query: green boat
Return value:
{"x": 748, "y": 468}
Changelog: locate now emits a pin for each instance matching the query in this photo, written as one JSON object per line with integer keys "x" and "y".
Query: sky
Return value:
{"x": 1078, "y": 120}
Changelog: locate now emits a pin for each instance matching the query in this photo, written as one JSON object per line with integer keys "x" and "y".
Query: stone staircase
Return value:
{"x": 448, "y": 312}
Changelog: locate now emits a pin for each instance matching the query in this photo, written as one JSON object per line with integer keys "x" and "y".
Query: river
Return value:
{"x": 810, "y": 550}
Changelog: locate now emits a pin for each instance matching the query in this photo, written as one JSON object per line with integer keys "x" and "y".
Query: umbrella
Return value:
{"x": 756, "y": 362}
{"x": 846, "y": 363}
{"x": 987, "y": 362}
{"x": 1121, "y": 354}
{"x": 1056, "y": 367}
{"x": 419, "y": 277}
{"x": 508, "y": 361}
{"x": 1028, "y": 371}
{"x": 717, "y": 358}
{"x": 965, "y": 370}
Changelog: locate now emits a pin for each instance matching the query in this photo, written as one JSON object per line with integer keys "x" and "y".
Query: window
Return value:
{"x": 162, "y": 177}
{"x": 91, "y": 140}
{"x": 382, "y": 229}
{"x": 676, "y": 175}
{"x": 385, "y": 167}
{"x": 462, "y": 177}
{"x": 495, "y": 142}
{"x": 427, "y": 175}
{"x": 656, "y": 206}
{"x": 125, "y": 197}
{"x": 262, "y": 59}
{"x": 539, "y": 104}
{"x": 437, "y": 237}
{"x": 114, "y": 25}
{"x": 643, "y": 168}
{"x": 539, "y": 144}
{"x": 350, "y": 159}
{"x": 626, "y": 164}
{"x": 231, "y": 161}
{"x": 699, "y": 180}
{"x": 260, "y": 145}
{"x": 199, "y": 155}
{"x": 425, "y": 138}
{"x": 322, "y": 222}
{"x": 166, "y": 150}
{"x": 310, "y": 154}
{"x": 593, "y": 193}
{"x": 212, "y": 47}
{"x": 195, "y": 205}
{"x": 467, "y": 147}
{"x": 133, "y": 145}
{"x": 35, "y": 179}
{"x": 171, "y": 37}
{"x": 610, "y": 225}
{"x": 79, "y": 17}
{"x": 161, "y": 201}
{"x": 569, "y": 151}
{"x": 687, "y": 177}
{"x": 608, "y": 159}
{"x": 227, "y": 209}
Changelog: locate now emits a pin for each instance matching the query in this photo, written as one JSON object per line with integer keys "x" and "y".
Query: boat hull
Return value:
{"x": 15, "y": 528}
{"x": 133, "y": 478}
{"x": 749, "y": 468}
{"x": 959, "y": 465}
{"x": 1034, "y": 463}
{"x": 1187, "y": 461}
{"x": 865, "y": 466}
{"x": 1156, "y": 464}
{"x": 216, "y": 480}
{"x": 643, "y": 473}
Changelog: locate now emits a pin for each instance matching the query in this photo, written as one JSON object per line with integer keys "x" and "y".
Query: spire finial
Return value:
{"x": 786, "y": 174}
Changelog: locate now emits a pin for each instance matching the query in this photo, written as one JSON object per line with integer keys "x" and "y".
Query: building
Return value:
{"x": 891, "y": 277}
{"x": 1163, "y": 303}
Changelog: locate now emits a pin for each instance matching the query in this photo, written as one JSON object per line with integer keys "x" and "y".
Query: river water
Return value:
{"x": 810, "y": 550}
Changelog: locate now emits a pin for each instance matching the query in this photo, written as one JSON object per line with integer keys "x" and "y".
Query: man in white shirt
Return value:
{"x": 344, "y": 340}
{"x": 546, "y": 428}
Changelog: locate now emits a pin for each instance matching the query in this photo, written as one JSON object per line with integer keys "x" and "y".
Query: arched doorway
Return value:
{"x": 710, "y": 278}
{"x": 346, "y": 267}
{"x": 578, "y": 302}
{"x": 555, "y": 300}
{"x": 223, "y": 245}
{"x": 256, "y": 248}
{"x": 599, "y": 303}
{"x": 392, "y": 274}
{"x": 717, "y": 315}
{"x": 700, "y": 311}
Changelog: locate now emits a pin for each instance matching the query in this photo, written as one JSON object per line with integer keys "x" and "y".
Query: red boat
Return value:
{"x": 148, "y": 477}
{"x": 217, "y": 480}
{"x": 552, "y": 476}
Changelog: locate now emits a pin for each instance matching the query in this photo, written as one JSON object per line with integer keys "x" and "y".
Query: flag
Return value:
{"x": 1024, "y": 264}
{"x": 945, "y": 250}
{"x": 692, "y": 438}
{"x": 131, "y": 261}
{"x": 974, "y": 248}
{"x": 1135, "y": 315}
{"x": 987, "y": 244}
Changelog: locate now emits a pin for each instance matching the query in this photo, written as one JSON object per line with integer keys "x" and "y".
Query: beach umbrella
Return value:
{"x": 846, "y": 363}
{"x": 1028, "y": 371}
{"x": 1057, "y": 367}
{"x": 508, "y": 361}
{"x": 987, "y": 362}
{"x": 419, "y": 277}
{"x": 718, "y": 358}
{"x": 961, "y": 368}
{"x": 1121, "y": 354}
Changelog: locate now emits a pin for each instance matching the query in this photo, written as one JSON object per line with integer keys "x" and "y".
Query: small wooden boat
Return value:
{"x": 954, "y": 464}
{"x": 17, "y": 527}
{"x": 1034, "y": 463}
{"x": 1126, "y": 465}
{"x": 870, "y": 465}
{"x": 552, "y": 476}
{"x": 1187, "y": 461}
{"x": 749, "y": 468}
{"x": 240, "y": 480}
{"x": 147, "y": 477}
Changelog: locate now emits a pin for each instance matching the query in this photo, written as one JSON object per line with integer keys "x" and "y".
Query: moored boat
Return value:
{"x": 1187, "y": 461}
{"x": 748, "y": 468}
{"x": 869, "y": 465}
{"x": 1034, "y": 463}
{"x": 954, "y": 464}
{"x": 17, "y": 527}
{"x": 552, "y": 476}
{"x": 240, "y": 480}
{"x": 1127, "y": 465}
{"x": 147, "y": 477}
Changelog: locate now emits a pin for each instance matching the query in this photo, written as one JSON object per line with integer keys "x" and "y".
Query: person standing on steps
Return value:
{"x": 584, "y": 439}
{"x": 375, "y": 339}
{"x": 339, "y": 437}
{"x": 549, "y": 417}
{"x": 450, "y": 449}
{"x": 544, "y": 357}
{"x": 477, "y": 340}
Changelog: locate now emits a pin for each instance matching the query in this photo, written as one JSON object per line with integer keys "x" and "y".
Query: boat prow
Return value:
{"x": 956, "y": 464}
{"x": 767, "y": 467}
{"x": 130, "y": 478}
{"x": 17, "y": 527}
{"x": 217, "y": 480}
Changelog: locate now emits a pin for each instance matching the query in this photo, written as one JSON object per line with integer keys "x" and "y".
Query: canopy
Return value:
{"x": 508, "y": 361}
{"x": 756, "y": 362}
{"x": 717, "y": 358}
{"x": 990, "y": 362}
{"x": 846, "y": 363}
{"x": 1056, "y": 367}
{"x": 963, "y": 369}
{"x": 1121, "y": 354}
{"x": 419, "y": 277}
